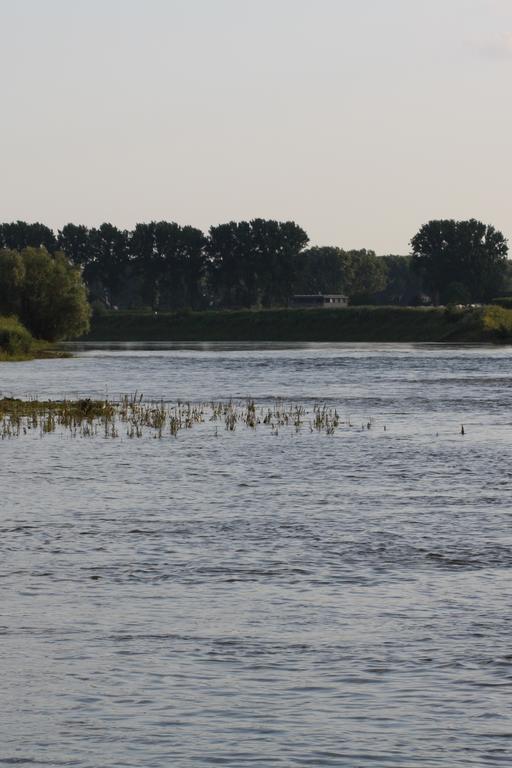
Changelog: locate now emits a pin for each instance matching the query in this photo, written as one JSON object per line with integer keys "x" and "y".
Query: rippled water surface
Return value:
{"x": 262, "y": 599}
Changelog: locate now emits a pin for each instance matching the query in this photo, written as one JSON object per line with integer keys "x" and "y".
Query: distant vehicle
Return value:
{"x": 319, "y": 301}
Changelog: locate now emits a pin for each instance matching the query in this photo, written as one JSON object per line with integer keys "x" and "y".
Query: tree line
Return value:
{"x": 161, "y": 265}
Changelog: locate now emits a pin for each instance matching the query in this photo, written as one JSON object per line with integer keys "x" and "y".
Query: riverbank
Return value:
{"x": 351, "y": 324}
{"x": 17, "y": 343}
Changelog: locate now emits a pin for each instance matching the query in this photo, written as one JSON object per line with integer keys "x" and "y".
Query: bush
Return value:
{"x": 15, "y": 340}
{"x": 498, "y": 321}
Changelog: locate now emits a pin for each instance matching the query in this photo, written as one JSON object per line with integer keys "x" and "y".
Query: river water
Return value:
{"x": 260, "y": 599}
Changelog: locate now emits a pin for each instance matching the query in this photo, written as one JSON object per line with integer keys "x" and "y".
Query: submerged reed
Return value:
{"x": 132, "y": 417}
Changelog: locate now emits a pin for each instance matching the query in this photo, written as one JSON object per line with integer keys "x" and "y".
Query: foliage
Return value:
{"x": 498, "y": 322}
{"x": 358, "y": 274}
{"x": 164, "y": 266}
{"x": 467, "y": 253}
{"x": 364, "y": 273}
{"x": 74, "y": 240}
{"x": 172, "y": 262}
{"x": 403, "y": 284}
{"x": 254, "y": 263}
{"x": 107, "y": 258}
{"x": 12, "y": 276}
{"x": 19, "y": 235}
{"x": 46, "y": 292}
{"x": 15, "y": 340}
{"x": 320, "y": 271}
{"x": 457, "y": 293}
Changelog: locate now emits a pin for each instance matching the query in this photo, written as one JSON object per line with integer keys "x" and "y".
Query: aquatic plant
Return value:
{"x": 133, "y": 417}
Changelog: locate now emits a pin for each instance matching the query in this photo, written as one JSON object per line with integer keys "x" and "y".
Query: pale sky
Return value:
{"x": 358, "y": 119}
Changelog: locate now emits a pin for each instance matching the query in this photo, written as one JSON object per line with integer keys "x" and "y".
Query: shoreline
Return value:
{"x": 39, "y": 352}
{"x": 489, "y": 324}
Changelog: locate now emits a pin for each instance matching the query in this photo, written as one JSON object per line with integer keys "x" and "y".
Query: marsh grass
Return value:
{"x": 133, "y": 418}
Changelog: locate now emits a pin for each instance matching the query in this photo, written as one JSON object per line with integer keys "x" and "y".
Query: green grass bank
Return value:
{"x": 18, "y": 344}
{"x": 351, "y": 324}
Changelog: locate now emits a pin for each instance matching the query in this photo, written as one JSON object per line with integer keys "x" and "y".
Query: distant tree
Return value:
{"x": 233, "y": 269}
{"x": 19, "y": 234}
{"x": 320, "y": 271}
{"x": 172, "y": 262}
{"x": 276, "y": 248}
{"x": 12, "y": 277}
{"x": 506, "y": 287}
{"x": 187, "y": 269}
{"x": 457, "y": 293}
{"x": 254, "y": 262}
{"x": 468, "y": 253}
{"x": 364, "y": 273}
{"x": 107, "y": 261}
{"x": 53, "y": 301}
{"x": 403, "y": 284}
{"x": 74, "y": 240}
{"x": 147, "y": 261}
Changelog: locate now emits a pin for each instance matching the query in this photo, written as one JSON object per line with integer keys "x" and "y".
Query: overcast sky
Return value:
{"x": 359, "y": 119}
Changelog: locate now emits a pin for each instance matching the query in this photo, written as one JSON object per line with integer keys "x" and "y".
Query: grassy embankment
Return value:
{"x": 16, "y": 343}
{"x": 352, "y": 324}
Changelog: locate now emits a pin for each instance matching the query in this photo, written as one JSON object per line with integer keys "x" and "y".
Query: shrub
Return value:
{"x": 15, "y": 340}
{"x": 498, "y": 321}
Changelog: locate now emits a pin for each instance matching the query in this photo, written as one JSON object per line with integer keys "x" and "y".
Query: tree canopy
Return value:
{"x": 45, "y": 291}
{"x": 254, "y": 263}
{"x": 19, "y": 234}
{"x": 162, "y": 265}
{"x": 321, "y": 270}
{"x": 364, "y": 274}
{"x": 460, "y": 258}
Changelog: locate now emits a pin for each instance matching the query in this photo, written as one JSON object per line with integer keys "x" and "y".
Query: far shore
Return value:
{"x": 490, "y": 324}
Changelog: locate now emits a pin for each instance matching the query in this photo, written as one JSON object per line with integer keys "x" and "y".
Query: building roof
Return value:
{"x": 320, "y": 296}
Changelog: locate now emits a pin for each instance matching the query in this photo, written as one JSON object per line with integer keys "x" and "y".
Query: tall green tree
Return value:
{"x": 276, "y": 248}
{"x": 172, "y": 261}
{"x": 108, "y": 249}
{"x": 233, "y": 275}
{"x": 12, "y": 278}
{"x": 186, "y": 269}
{"x": 320, "y": 271}
{"x": 75, "y": 241}
{"x": 468, "y": 254}
{"x": 20, "y": 234}
{"x": 53, "y": 300}
{"x": 364, "y": 274}
{"x": 403, "y": 285}
{"x": 254, "y": 262}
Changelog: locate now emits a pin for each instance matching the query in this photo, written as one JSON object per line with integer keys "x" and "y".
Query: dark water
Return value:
{"x": 257, "y": 599}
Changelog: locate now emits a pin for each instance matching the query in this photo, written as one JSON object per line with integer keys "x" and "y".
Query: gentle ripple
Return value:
{"x": 263, "y": 600}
